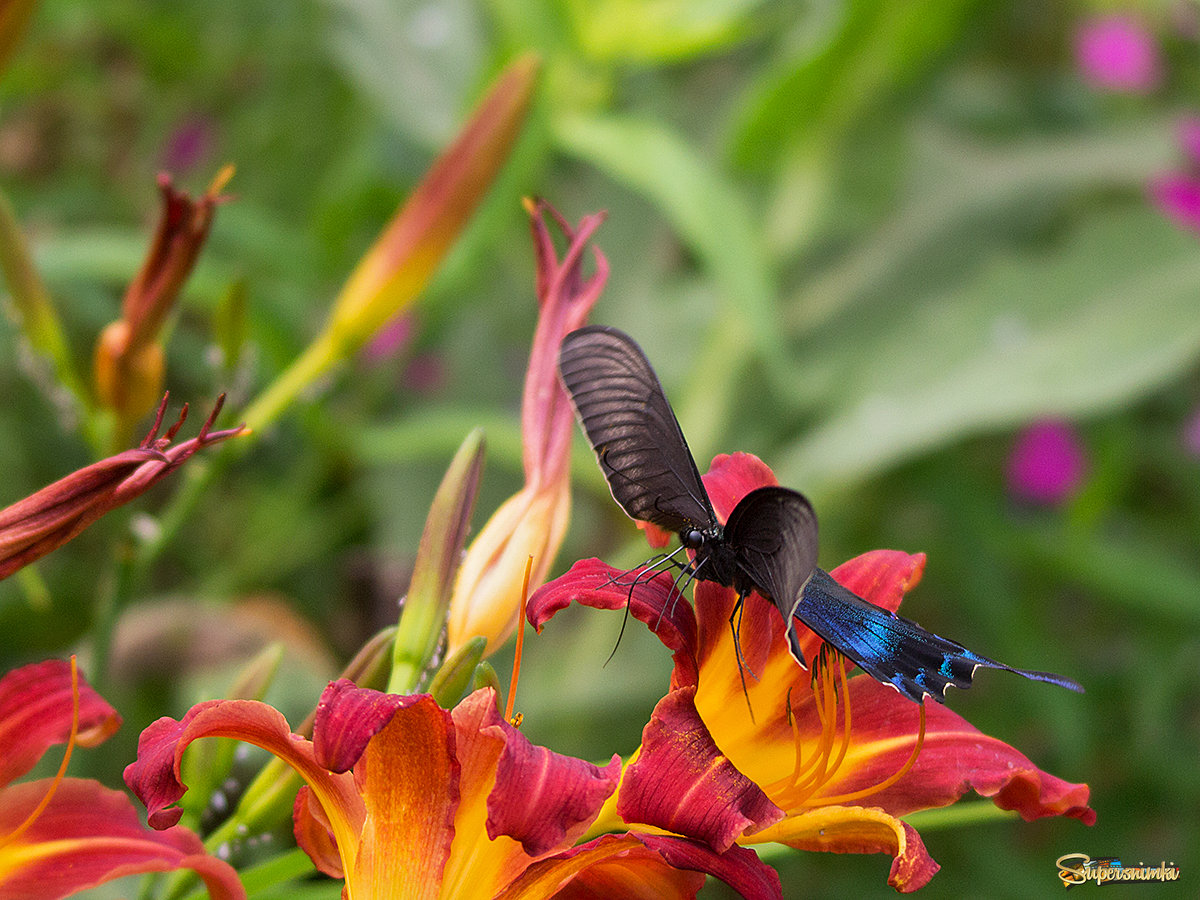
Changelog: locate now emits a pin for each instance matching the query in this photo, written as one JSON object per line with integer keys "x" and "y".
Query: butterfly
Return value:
{"x": 769, "y": 542}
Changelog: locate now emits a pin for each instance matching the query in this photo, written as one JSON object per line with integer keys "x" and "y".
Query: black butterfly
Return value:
{"x": 768, "y": 544}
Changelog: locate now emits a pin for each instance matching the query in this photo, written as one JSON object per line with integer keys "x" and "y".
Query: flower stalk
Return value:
{"x": 404, "y": 257}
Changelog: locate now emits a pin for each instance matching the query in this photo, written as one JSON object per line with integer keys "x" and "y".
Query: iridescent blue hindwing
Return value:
{"x": 892, "y": 649}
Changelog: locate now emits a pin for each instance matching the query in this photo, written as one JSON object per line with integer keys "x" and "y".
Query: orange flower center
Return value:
{"x": 830, "y": 695}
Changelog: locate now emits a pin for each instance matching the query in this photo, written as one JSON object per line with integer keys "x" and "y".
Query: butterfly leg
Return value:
{"x": 735, "y": 628}
{"x": 644, "y": 572}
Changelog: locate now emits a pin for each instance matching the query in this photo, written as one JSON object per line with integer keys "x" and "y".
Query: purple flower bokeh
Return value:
{"x": 1047, "y": 463}
{"x": 1177, "y": 194}
{"x": 1117, "y": 53}
{"x": 1191, "y": 433}
{"x": 190, "y": 143}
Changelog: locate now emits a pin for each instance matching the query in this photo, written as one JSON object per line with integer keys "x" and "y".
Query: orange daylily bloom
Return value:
{"x": 404, "y": 799}
{"x": 59, "y": 836}
{"x": 817, "y": 761}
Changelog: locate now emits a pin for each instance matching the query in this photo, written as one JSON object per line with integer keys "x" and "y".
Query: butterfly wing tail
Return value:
{"x": 892, "y": 649}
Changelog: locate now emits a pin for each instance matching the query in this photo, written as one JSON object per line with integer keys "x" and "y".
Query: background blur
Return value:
{"x": 937, "y": 264}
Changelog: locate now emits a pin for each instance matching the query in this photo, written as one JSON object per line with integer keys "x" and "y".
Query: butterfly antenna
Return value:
{"x": 624, "y": 621}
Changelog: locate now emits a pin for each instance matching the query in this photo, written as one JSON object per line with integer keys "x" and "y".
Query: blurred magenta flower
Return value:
{"x": 1047, "y": 462}
{"x": 801, "y": 771}
{"x": 31, "y": 528}
{"x": 1191, "y": 433}
{"x": 59, "y": 836}
{"x": 1117, "y": 53}
{"x": 404, "y": 799}
{"x": 390, "y": 340}
{"x": 1177, "y": 194}
{"x": 189, "y": 144}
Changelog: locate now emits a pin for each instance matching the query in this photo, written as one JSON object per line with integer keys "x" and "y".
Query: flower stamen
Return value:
{"x": 515, "y": 720}
{"x": 831, "y": 691}
{"x": 62, "y": 768}
{"x": 829, "y": 684}
{"x": 895, "y": 776}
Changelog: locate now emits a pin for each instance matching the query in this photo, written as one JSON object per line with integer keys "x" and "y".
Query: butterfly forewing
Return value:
{"x": 633, "y": 430}
{"x": 773, "y": 533}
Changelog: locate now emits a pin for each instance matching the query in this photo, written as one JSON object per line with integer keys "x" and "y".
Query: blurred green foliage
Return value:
{"x": 867, "y": 241}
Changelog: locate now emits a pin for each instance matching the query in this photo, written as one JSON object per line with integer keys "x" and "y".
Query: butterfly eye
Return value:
{"x": 692, "y": 539}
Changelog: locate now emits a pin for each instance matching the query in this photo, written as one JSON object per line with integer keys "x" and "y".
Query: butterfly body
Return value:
{"x": 769, "y": 542}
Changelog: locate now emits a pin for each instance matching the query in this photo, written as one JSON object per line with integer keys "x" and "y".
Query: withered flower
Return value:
{"x": 129, "y": 358}
{"x": 31, "y": 528}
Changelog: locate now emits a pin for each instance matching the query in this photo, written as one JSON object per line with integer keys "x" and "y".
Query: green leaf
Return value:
{"x": 874, "y": 49}
{"x": 715, "y": 222}
{"x": 799, "y": 112}
{"x": 1103, "y": 318}
{"x": 659, "y": 30}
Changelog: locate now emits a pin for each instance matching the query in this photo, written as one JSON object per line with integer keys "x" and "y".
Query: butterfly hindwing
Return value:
{"x": 773, "y": 534}
{"x": 892, "y": 649}
{"x": 633, "y": 430}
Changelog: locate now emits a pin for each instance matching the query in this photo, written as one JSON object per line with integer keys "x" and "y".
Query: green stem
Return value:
{"x": 318, "y": 358}
{"x": 113, "y": 597}
{"x": 39, "y": 319}
{"x": 958, "y": 815}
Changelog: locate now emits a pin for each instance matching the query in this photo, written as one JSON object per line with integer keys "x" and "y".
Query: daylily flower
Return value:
{"x": 31, "y": 528}
{"x": 487, "y": 595}
{"x": 406, "y": 799}
{"x": 1047, "y": 463}
{"x": 60, "y": 835}
{"x": 817, "y": 761}
{"x": 129, "y": 357}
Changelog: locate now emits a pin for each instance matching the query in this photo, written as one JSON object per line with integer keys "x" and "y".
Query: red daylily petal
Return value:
{"x": 653, "y": 601}
{"x": 314, "y": 834}
{"x": 852, "y": 829}
{"x": 90, "y": 834}
{"x": 478, "y": 866}
{"x": 956, "y": 757}
{"x": 409, "y": 778}
{"x": 731, "y": 477}
{"x": 346, "y": 719}
{"x": 656, "y": 537}
{"x": 612, "y": 867}
{"x": 154, "y": 776}
{"x": 543, "y": 799}
{"x": 683, "y": 783}
{"x": 565, "y": 298}
{"x": 36, "y": 709}
{"x": 738, "y": 867}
